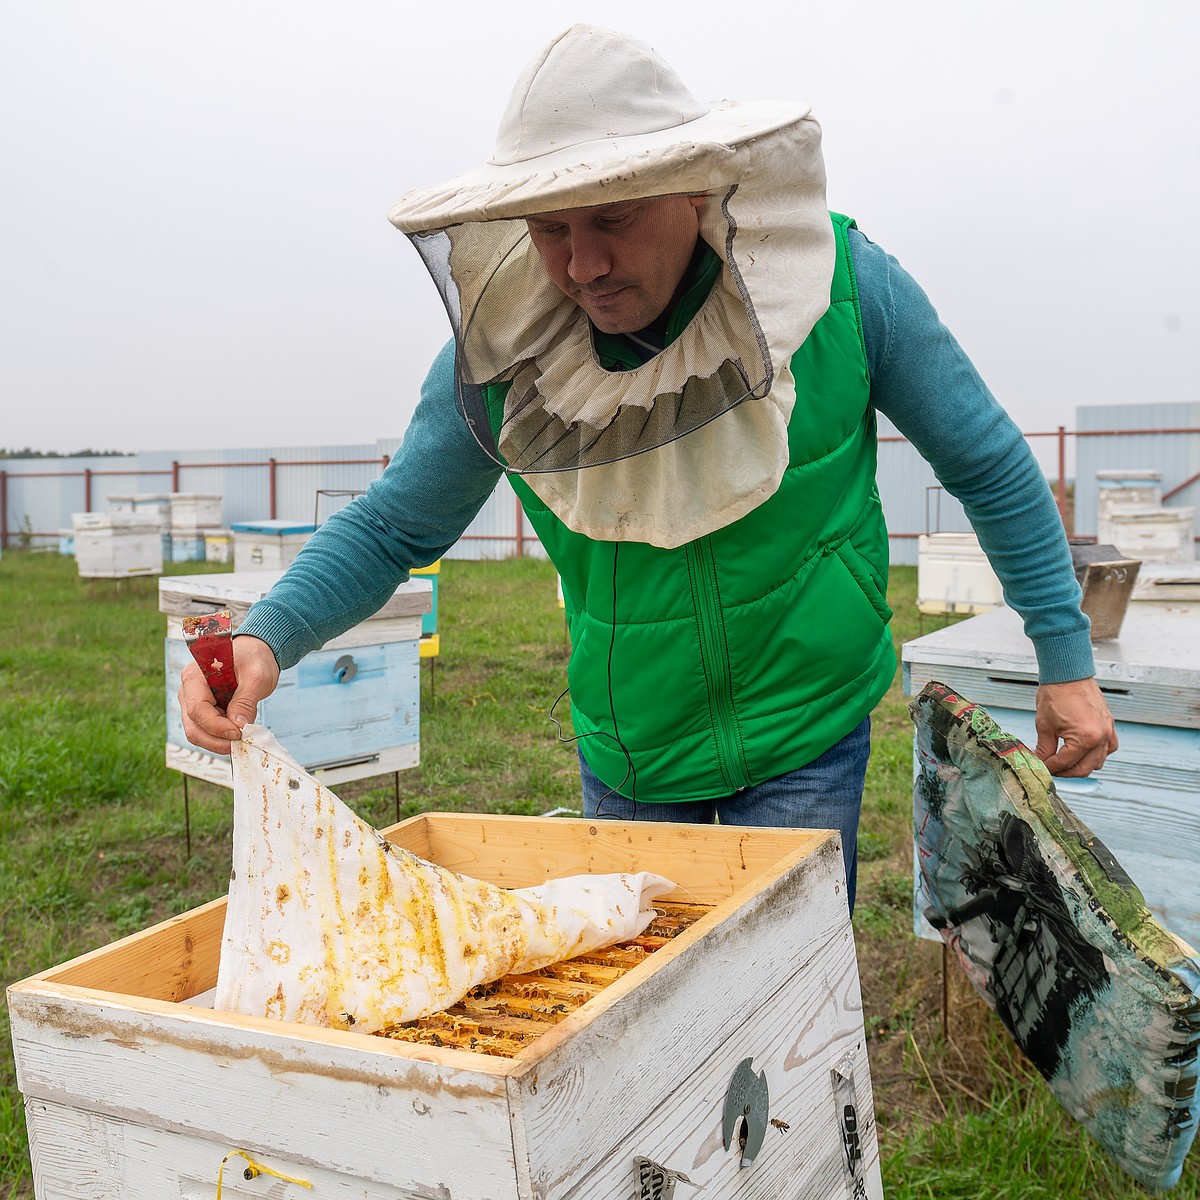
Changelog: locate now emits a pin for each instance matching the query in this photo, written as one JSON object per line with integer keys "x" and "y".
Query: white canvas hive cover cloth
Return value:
{"x": 330, "y": 924}
{"x": 1055, "y": 936}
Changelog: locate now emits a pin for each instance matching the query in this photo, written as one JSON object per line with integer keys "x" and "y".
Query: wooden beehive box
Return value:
{"x": 347, "y": 711}
{"x": 117, "y": 545}
{"x": 954, "y": 575}
{"x": 268, "y": 545}
{"x": 134, "y": 1088}
{"x": 195, "y": 510}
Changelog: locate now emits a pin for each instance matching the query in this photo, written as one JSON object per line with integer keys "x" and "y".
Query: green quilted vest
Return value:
{"x": 747, "y": 653}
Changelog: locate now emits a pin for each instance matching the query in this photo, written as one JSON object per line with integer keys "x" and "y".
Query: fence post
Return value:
{"x": 3, "y": 510}
{"x": 175, "y": 475}
{"x": 520, "y": 527}
{"x": 87, "y": 489}
{"x": 1062, "y": 474}
{"x": 271, "y": 486}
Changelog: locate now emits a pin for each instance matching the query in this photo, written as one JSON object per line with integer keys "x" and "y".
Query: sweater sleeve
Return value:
{"x": 926, "y": 385}
{"x": 409, "y": 517}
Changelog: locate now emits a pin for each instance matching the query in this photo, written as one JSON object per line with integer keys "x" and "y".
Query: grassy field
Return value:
{"x": 91, "y": 825}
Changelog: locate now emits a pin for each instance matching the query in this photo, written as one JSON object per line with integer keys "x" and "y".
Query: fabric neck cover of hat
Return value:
{"x": 1055, "y": 936}
{"x": 330, "y": 924}
{"x": 696, "y": 436}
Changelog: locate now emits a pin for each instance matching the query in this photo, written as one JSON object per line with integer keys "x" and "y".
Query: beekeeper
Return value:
{"x": 675, "y": 352}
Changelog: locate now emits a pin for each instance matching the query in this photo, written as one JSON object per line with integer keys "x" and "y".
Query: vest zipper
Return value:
{"x": 714, "y": 653}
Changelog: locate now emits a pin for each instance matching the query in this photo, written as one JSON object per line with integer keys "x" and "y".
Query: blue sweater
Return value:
{"x": 920, "y": 379}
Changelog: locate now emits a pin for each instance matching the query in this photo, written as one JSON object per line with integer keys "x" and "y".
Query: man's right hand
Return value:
{"x": 204, "y": 724}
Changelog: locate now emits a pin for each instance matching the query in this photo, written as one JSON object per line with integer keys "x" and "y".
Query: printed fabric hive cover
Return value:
{"x": 328, "y": 923}
{"x": 1055, "y": 936}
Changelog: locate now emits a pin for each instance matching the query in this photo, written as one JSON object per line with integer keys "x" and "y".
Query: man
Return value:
{"x": 676, "y": 353}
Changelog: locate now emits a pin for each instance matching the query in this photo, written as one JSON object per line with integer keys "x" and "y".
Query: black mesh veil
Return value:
{"x": 510, "y": 324}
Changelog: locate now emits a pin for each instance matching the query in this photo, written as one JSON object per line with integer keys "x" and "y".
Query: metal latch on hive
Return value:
{"x": 747, "y": 1100}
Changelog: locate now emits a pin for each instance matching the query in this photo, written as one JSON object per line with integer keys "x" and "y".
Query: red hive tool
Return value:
{"x": 210, "y": 639}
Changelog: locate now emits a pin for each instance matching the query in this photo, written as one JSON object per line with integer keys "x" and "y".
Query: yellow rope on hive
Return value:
{"x": 255, "y": 1169}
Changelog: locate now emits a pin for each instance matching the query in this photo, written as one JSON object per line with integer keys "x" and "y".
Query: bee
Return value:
{"x": 782, "y": 1126}
{"x": 349, "y": 1018}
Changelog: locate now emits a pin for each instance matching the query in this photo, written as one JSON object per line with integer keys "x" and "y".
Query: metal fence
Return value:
{"x": 38, "y": 496}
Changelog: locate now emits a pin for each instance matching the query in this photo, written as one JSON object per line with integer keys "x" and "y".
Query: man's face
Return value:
{"x": 621, "y": 263}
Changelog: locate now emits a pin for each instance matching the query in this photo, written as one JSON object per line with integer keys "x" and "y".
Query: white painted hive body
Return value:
{"x": 195, "y": 510}
{"x": 347, "y": 711}
{"x": 1126, "y": 491}
{"x": 1175, "y": 585}
{"x": 131, "y": 1091}
{"x": 267, "y": 545}
{"x": 117, "y": 545}
{"x": 1164, "y": 535}
{"x": 157, "y": 504}
{"x": 954, "y": 575}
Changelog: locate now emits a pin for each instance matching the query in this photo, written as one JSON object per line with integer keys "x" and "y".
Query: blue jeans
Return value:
{"x": 825, "y": 794}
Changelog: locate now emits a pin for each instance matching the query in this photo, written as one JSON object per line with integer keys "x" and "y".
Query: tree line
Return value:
{"x": 29, "y": 452}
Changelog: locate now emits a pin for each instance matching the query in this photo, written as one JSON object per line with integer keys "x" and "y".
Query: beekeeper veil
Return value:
{"x": 696, "y": 435}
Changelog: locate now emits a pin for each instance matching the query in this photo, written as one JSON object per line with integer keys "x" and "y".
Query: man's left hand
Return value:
{"x": 1076, "y": 715}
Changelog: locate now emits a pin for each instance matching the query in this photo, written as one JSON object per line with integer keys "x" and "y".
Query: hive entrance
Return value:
{"x": 502, "y": 1018}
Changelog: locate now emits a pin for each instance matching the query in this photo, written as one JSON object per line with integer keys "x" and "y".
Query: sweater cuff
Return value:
{"x": 289, "y": 640}
{"x": 1065, "y": 657}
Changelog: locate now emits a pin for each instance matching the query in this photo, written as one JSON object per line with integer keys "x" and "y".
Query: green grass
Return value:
{"x": 92, "y": 828}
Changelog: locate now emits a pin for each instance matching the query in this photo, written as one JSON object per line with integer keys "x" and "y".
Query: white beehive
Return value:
{"x": 114, "y": 545}
{"x": 1127, "y": 491}
{"x": 347, "y": 711}
{"x": 954, "y": 575}
{"x": 1158, "y": 535}
{"x": 268, "y": 545}
{"x": 195, "y": 510}
{"x": 135, "y": 1088}
{"x": 156, "y": 504}
{"x": 1170, "y": 584}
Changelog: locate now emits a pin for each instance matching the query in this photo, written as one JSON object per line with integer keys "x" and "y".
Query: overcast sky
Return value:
{"x": 195, "y": 250}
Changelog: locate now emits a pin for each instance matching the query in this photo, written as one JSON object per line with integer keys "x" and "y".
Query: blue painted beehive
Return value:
{"x": 346, "y": 711}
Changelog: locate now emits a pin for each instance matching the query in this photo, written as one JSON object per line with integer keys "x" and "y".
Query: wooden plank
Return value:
{"x": 216, "y": 768}
{"x": 171, "y": 961}
{"x": 808, "y": 1026}
{"x": 366, "y": 633}
{"x": 597, "y": 1076}
{"x": 189, "y": 595}
{"x": 356, "y": 1105}
{"x": 708, "y": 862}
{"x": 81, "y": 1155}
{"x": 999, "y": 685}
{"x": 1151, "y": 674}
{"x": 413, "y": 834}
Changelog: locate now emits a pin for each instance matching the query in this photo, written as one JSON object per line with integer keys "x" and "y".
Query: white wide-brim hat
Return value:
{"x": 595, "y": 118}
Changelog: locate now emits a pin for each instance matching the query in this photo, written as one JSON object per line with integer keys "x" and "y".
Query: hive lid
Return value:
{"x": 272, "y": 526}
{"x": 128, "y": 522}
{"x": 187, "y": 595}
{"x": 1056, "y": 937}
